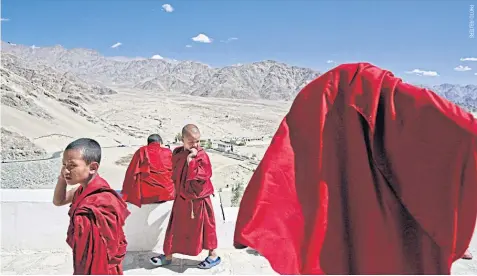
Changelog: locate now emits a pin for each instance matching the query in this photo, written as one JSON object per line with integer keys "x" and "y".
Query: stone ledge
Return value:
{"x": 23, "y": 209}
{"x": 145, "y": 228}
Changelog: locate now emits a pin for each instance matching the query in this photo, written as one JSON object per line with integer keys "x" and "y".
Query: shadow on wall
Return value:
{"x": 146, "y": 226}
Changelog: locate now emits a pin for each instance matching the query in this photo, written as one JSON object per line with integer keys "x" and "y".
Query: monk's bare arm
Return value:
{"x": 61, "y": 196}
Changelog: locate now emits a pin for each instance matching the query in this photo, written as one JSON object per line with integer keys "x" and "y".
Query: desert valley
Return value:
{"x": 53, "y": 95}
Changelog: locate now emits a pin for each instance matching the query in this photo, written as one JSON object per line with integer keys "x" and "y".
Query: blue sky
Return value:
{"x": 397, "y": 35}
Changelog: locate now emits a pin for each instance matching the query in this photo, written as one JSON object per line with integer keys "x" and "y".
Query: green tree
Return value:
{"x": 178, "y": 137}
{"x": 237, "y": 193}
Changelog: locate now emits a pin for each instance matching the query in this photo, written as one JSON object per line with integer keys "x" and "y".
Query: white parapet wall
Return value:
{"x": 145, "y": 228}
{"x": 31, "y": 222}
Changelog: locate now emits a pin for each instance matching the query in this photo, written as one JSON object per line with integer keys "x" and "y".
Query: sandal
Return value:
{"x": 467, "y": 255}
{"x": 160, "y": 260}
{"x": 208, "y": 263}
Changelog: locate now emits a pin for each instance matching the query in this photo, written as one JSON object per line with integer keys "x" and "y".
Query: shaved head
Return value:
{"x": 190, "y": 136}
{"x": 89, "y": 148}
{"x": 154, "y": 138}
{"x": 81, "y": 160}
{"x": 190, "y": 129}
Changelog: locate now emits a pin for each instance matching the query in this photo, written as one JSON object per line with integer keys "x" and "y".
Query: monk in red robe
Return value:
{"x": 192, "y": 223}
{"x": 148, "y": 178}
{"x": 97, "y": 212}
{"x": 365, "y": 175}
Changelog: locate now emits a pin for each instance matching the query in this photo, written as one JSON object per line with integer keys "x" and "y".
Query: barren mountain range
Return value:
{"x": 266, "y": 80}
{"x": 53, "y": 87}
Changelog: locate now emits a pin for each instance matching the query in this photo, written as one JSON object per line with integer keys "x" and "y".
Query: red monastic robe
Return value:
{"x": 365, "y": 175}
{"x": 192, "y": 223}
{"x": 97, "y": 216}
{"x": 148, "y": 178}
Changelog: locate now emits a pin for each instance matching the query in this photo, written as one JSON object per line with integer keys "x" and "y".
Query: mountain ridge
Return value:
{"x": 267, "y": 79}
{"x": 188, "y": 77}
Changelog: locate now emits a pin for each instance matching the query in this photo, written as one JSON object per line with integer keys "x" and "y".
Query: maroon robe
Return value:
{"x": 365, "y": 175}
{"x": 192, "y": 223}
{"x": 148, "y": 178}
{"x": 97, "y": 216}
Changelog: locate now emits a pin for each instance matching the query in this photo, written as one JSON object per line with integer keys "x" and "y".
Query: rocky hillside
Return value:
{"x": 265, "y": 79}
{"x": 17, "y": 147}
{"x": 463, "y": 95}
{"x": 35, "y": 97}
{"x": 22, "y": 82}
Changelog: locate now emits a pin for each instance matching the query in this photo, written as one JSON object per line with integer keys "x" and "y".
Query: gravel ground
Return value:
{"x": 30, "y": 175}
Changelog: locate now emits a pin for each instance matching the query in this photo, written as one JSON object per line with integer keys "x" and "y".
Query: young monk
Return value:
{"x": 97, "y": 213}
{"x": 148, "y": 178}
{"x": 366, "y": 174}
{"x": 192, "y": 223}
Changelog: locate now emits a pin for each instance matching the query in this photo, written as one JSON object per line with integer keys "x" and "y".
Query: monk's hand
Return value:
{"x": 192, "y": 154}
{"x": 61, "y": 178}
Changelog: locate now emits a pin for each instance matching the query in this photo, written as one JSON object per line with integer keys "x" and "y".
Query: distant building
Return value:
{"x": 242, "y": 140}
{"x": 224, "y": 147}
{"x": 252, "y": 139}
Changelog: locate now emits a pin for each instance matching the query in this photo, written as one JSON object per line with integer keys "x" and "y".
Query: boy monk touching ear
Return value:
{"x": 97, "y": 213}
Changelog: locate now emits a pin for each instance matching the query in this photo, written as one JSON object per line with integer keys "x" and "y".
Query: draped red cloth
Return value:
{"x": 148, "y": 178}
{"x": 191, "y": 226}
{"x": 97, "y": 216}
{"x": 365, "y": 175}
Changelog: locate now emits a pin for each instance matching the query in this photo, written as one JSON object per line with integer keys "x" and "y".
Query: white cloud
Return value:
{"x": 469, "y": 59}
{"x": 475, "y": 74}
{"x": 116, "y": 45}
{"x": 420, "y": 72}
{"x": 229, "y": 40}
{"x": 4, "y": 19}
{"x": 202, "y": 38}
{"x": 34, "y": 47}
{"x": 188, "y": 46}
{"x": 330, "y": 61}
{"x": 167, "y": 8}
{"x": 157, "y": 57}
{"x": 461, "y": 68}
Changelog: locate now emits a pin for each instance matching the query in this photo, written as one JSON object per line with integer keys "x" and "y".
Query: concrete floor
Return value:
{"x": 234, "y": 262}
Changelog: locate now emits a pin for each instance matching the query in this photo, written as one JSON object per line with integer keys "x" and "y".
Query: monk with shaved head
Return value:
{"x": 192, "y": 223}
{"x": 148, "y": 177}
{"x": 97, "y": 213}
